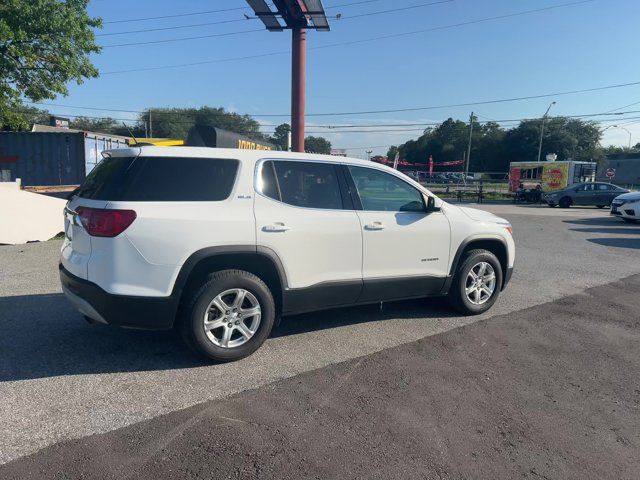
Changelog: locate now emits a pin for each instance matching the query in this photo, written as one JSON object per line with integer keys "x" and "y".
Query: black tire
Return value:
{"x": 551, "y": 205}
{"x": 600, "y": 206}
{"x": 457, "y": 296}
{"x": 192, "y": 321}
{"x": 565, "y": 202}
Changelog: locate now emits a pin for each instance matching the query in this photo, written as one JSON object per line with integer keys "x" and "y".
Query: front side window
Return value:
{"x": 302, "y": 184}
{"x": 381, "y": 191}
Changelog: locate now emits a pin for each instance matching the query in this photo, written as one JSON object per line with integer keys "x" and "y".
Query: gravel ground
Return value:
{"x": 62, "y": 379}
{"x": 547, "y": 392}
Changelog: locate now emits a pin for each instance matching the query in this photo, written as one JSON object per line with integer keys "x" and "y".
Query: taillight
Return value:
{"x": 100, "y": 222}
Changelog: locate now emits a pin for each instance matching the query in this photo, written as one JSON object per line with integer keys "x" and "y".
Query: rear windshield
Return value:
{"x": 160, "y": 179}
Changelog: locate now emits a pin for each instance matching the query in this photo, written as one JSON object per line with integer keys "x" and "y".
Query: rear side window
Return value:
{"x": 302, "y": 184}
{"x": 160, "y": 179}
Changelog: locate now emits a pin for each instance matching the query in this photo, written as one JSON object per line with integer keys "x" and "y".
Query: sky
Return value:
{"x": 576, "y": 46}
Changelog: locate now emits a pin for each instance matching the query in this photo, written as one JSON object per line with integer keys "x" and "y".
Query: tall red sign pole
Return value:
{"x": 298, "y": 76}
{"x": 299, "y": 16}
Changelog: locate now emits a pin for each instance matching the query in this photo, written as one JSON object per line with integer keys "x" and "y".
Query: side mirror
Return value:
{"x": 431, "y": 204}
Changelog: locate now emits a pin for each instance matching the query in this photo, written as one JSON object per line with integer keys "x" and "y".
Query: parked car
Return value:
{"x": 221, "y": 243}
{"x": 627, "y": 206}
{"x": 599, "y": 194}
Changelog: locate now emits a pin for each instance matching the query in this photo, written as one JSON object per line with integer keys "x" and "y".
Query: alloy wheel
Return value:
{"x": 480, "y": 283}
{"x": 232, "y": 318}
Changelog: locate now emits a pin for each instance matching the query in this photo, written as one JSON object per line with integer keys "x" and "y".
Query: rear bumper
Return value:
{"x": 151, "y": 313}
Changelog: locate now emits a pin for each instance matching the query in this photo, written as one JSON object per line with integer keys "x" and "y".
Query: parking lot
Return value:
{"x": 62, "y": 379}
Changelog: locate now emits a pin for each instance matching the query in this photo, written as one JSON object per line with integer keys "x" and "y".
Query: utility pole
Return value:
{"x": 466, "y": 163}
{"x": 298, "y": 69}
{"x": 150, "y": 125}
{"x": 298, "y": 16}
{"x": 544, "y": 117}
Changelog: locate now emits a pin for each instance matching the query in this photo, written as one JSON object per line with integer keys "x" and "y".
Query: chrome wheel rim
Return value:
{"x": 232, "y": 318}
{"x": 480, "y": 283}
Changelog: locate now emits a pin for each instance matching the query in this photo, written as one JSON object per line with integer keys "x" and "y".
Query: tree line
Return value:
{"x": 494, "y": 147}
{"x": 175, "y": 123}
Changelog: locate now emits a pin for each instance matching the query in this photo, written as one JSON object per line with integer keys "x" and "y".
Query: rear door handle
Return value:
{"x": 276, "y": 227}
{"x": 374, "y": 226}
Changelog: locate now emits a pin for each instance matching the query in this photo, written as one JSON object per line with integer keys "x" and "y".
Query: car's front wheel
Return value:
{"x": 565, "y": 202}
{"x": 477, "y": 282}
{"x": 229, "y": 317}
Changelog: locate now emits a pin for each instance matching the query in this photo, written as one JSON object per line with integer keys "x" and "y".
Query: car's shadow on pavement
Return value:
{"x": 609, "y": 225}
{"x": 633, "y": 243}
{"x": 43, "y": 336}
{"x": 620, "y": 230}
{"x": 610, "y": 221}
{"x": 334, "y": 318}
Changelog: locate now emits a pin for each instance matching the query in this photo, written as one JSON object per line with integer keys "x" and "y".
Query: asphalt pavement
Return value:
{"x": 548, "y": 392}
{"x": 62, "y": 379}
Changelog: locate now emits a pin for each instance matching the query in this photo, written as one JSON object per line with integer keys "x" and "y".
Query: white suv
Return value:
{"x": 221, "y": 243}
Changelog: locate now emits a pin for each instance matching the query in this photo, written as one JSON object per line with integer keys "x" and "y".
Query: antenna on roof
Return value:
{"x": 131, "y": 133}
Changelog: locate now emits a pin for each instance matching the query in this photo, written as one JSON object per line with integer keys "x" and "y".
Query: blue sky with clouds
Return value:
{"x": 572, "y": 47}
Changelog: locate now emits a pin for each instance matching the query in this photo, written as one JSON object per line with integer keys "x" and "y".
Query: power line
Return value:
{"x": 337, "y": 129}
{"x": 220, "y": 22}
{"x": 397, "y": 110}
{"x": 193, "y": 64}
{"x": 624, "y": 106}
{"x": 236, "y": 20}
{"x": 371, "y": 39}
{"x": 206, "y": 12}
{"x": 176, "y": 15}
{"x": 333, "y": 7}
{"x": 150, "y": 42}
{"x": 394, "y": 10}
{"x": 454, "y": 25}
{"x": 469, "y": 104}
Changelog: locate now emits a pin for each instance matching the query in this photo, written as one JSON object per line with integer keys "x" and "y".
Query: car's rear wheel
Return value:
{"x": 477, "y": 282}
{"x": 229, "y": 317}
{"x": 565, "y": 202}
{"x": 600, "y": 206}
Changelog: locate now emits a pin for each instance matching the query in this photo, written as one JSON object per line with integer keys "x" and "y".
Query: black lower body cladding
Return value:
{"x": 151, "y": 313}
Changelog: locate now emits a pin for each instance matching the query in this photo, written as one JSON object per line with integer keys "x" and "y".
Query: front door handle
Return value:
{"x": 276, "y": 227}
{"x": 374, "y": 226}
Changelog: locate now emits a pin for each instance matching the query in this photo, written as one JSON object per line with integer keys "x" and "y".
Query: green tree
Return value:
{"x": 391, "y": 153}
{"x": 44, "y": 44}
{"x": 569, "y": 138}
{"x": 281, "y": 136}
{"x": 176, "y": 122}
{"x": 28, "y": 115}
{"x": 317, "y": 145}
{"x": 492, "y": 147}
{"x": 101, "y": 125}
{"x": 487, "y": 148}
{"x": 446, "y": 142}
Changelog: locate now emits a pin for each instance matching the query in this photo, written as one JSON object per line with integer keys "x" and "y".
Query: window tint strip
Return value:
{"x": 275, "y": 177}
